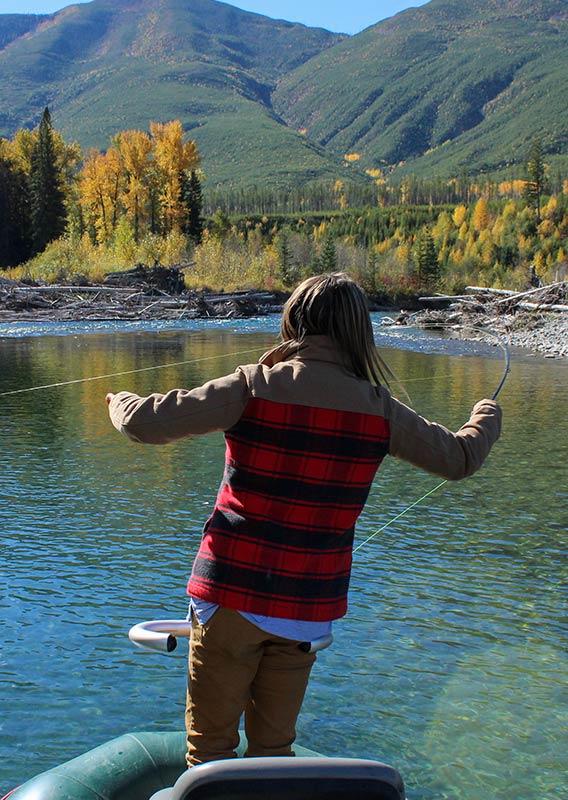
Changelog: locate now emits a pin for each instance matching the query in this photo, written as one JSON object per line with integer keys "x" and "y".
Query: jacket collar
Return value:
{"x": 312, "y": 348}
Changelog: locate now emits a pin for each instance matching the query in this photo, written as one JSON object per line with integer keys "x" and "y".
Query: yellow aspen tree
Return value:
{"x": 481, "y": 218}
{"x": 472, "y": 249}
{"x": 486, "y": 248}
{"x": 546, "y": 229}
{"x": 21, "y": 147}
{"x": 550, "y": 209}
{"x": 539, "y": 263}
{"x": 319, "y": 231}
{"x": 463, "y": 232}
{"x": 93, "y": 209}
{"x": 339, "y": 194}
{"x": 525, "y": 243}
{"x": 497, "y": 229}
{"x": 456, "y": 256}
{"x": 459, "y": 215}
{"x": 100, "y": 188}
{"x": 442, "y": 228}
{"x": 443, "y": 255}
{"x": 403, "y": 253}
{"x": 135, "y": 149}
{"x": 173, "y": 158}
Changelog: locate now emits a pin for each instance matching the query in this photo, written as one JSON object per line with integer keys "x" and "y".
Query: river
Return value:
{"x": 451, "y": 664}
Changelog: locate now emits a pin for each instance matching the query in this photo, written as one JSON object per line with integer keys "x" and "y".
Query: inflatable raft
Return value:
{"x": 151, "y": 766}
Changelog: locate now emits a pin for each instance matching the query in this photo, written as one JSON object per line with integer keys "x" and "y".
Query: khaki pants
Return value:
{"x": 234, "y": 667}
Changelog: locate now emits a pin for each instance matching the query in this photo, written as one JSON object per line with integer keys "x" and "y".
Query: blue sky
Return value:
{"x": 335, "y": 15}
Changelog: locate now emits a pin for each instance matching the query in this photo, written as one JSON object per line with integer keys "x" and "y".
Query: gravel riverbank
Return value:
{"x": 536, "y": 320}
{"x": 548, "y": 336}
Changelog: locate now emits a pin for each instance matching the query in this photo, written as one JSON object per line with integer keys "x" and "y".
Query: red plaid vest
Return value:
{"x": 280, "y": 538}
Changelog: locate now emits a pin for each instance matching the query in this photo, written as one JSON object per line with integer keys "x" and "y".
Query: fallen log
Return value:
{"x": 437, "y": 297}
{"x": 63, "y": 289}
{"x": 485, "y": 290}
{"x": 519, "y": 295}
{"x": 543, "y": 306}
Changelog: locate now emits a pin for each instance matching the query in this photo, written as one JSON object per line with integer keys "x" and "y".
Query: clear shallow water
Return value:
{"x": 452, "y": 662}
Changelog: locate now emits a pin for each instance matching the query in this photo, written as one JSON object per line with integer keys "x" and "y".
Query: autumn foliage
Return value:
{"x": 140, "y": 201}
{"x": 141, "y": 178}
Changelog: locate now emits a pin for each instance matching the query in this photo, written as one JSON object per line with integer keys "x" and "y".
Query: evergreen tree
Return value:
{"x": 288, "y": 271}
{"x": 48, "y": 215}
{"x": 535, "y": 177}
{"x": 15, "y": 233}
{"x": 314, "y": 266}
{"x": 193, "y": 198}
{"x": 328, "y": 255}
{"x": 371, "y": 277}
{"x": 427, "y": 260}
{"x": 220, "y": 224}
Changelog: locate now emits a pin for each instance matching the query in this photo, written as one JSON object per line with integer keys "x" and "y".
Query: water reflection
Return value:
{"x": 451, "y": 662}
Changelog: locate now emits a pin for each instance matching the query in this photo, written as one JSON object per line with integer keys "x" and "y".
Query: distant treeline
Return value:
{"x": 382, "y": 189}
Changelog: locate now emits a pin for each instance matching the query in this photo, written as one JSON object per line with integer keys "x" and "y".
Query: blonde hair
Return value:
{"x": 334, "y": 305}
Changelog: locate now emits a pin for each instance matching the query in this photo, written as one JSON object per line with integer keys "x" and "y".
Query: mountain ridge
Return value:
{"x": 436, "y": 90}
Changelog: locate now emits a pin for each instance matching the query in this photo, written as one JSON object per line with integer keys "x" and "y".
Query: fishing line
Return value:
{"x": 398, "y": 516}
{"x": 478, "y": 329}
{"x": 507, "y": 359}
{"x": 502, "y": 343}
{"x": 128, "y": 372}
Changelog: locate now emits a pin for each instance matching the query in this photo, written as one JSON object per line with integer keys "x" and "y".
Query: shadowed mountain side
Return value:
{"x": 13, "y": 26}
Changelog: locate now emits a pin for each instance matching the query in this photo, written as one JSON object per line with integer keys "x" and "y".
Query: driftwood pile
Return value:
{"x": 487, "y": 305}
{"x": 138, "y": 294}
{"x": 552, "y": 297}
{"x": 536, "y": 319}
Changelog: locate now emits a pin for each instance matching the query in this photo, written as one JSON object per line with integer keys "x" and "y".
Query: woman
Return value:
{"x": 306, "y": 430}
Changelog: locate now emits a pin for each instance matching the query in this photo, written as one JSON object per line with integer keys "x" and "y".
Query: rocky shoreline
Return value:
{"x": 536, "y": 320}
{"x": 544, "y": 334}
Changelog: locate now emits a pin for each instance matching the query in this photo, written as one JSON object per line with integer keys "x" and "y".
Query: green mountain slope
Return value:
{"x": 445, "y": 87}
{"x": 110, "y": 65}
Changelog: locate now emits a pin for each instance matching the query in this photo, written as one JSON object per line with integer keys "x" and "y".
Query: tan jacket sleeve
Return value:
{"x": 436, "y": 449}
{"x": 163, "y": 418}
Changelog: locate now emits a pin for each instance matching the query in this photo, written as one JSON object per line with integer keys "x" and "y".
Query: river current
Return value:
{"x": 451, "y": 663}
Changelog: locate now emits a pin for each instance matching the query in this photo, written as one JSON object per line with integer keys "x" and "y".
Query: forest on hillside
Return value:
{"x": 64, "y": 213}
